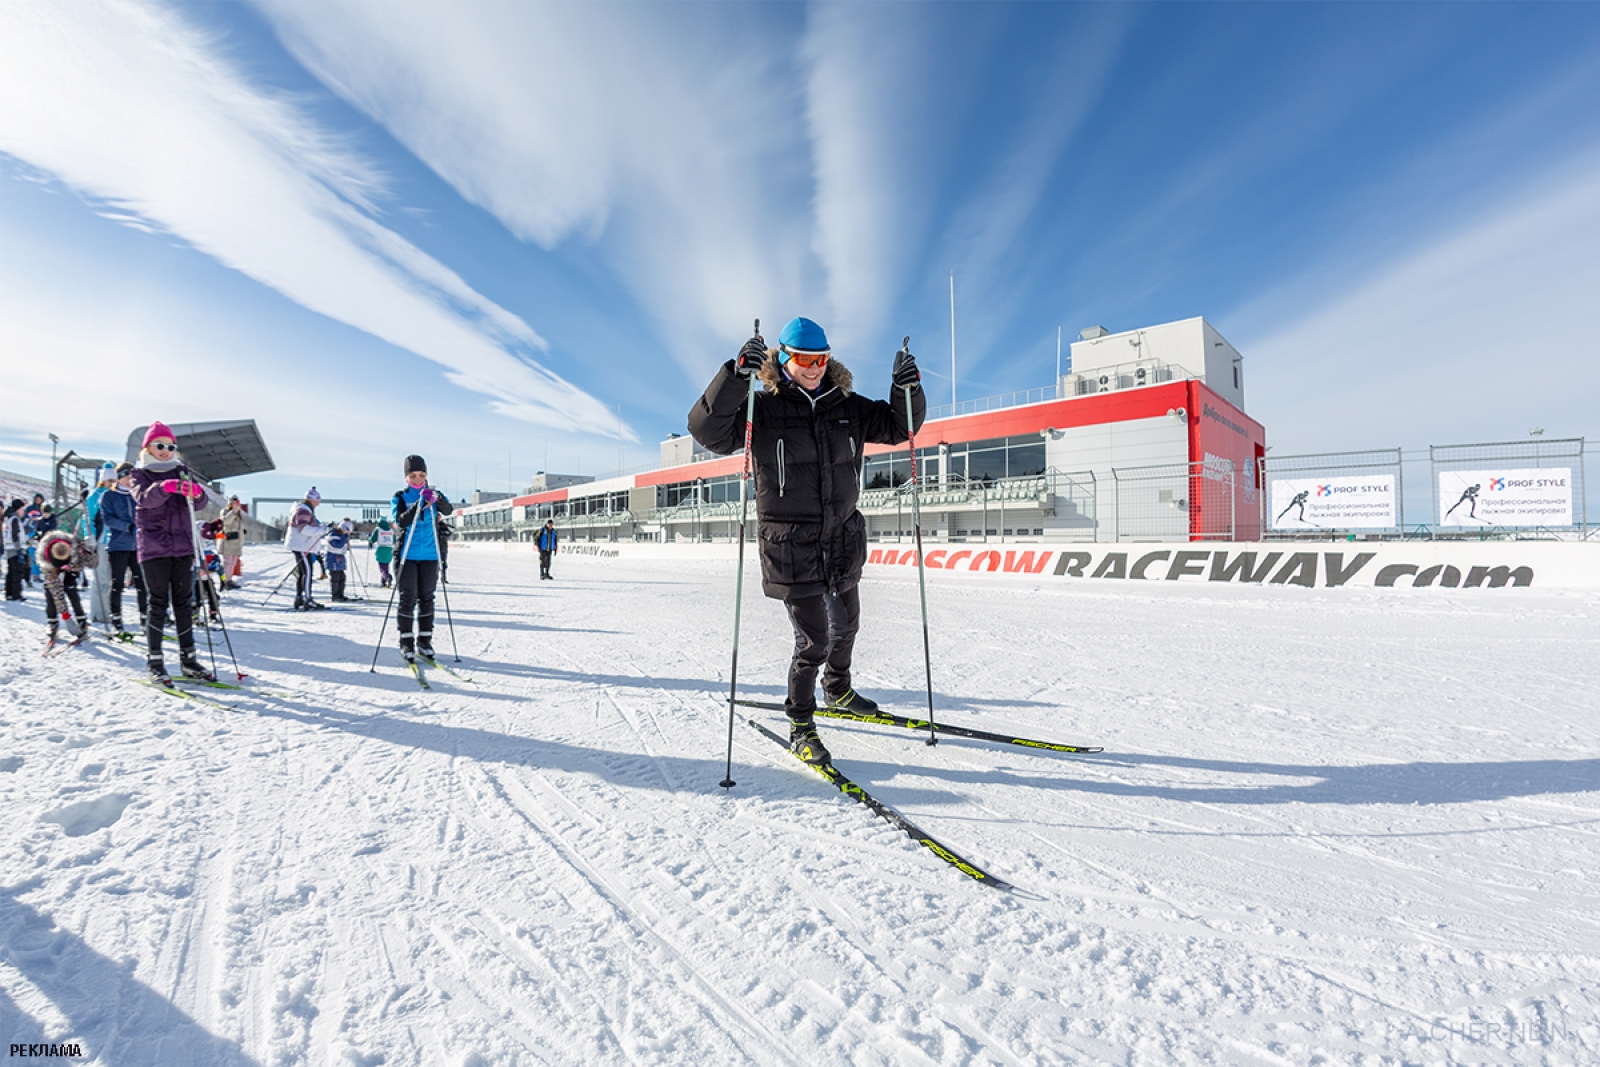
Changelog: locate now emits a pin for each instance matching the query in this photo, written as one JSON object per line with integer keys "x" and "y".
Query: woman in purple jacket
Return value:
{"x": 161, "y": 484}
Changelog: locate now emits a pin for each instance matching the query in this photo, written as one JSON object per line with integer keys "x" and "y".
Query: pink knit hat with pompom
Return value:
{"x": 158, "y": 429}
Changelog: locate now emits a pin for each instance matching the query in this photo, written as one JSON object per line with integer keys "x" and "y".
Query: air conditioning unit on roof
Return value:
{"x": 1105, "y": 381}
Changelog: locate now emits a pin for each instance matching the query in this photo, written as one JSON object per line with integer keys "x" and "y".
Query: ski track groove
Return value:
{"x": 616, "y": 902}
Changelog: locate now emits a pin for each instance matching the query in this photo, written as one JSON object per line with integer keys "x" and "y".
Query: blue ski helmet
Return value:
{"x": 801, "y": 335}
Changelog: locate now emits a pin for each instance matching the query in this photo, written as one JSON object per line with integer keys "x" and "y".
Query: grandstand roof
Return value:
{"x": 215, "y": 450}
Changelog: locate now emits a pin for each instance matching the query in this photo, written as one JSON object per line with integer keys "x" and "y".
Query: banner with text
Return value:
{"x": 1534, "y": 497}
{"x": 1366, "y": 503}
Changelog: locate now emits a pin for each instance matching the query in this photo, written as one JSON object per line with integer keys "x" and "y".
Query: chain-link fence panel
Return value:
{"x": 1333, "y": 492}
{"x": 1175, "y": 502}
{"x": 1509, "y": 486}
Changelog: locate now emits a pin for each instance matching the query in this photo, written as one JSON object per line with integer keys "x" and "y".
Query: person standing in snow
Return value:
{"x": 62, "y": 558}
{"x": 118, "y": 515}
{"x": 809, "y": 432}
{"x": 338, "y": 543}
{"x": 547, "y": 543}
{"x": 14, "y": 538}
{"x": 92, "y": 527}
{"x": 232, "y": 541}
{"x": 416, "y": 511}
{"x": 382, "y": 542}
{"x": 304, "y": 537}
{"x": 163, "y": 492}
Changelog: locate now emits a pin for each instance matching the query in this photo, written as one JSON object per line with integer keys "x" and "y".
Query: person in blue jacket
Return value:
{"x": 118, "y": 517}
{"x": 417, "y": 508}
{"x": 547, "y": 543}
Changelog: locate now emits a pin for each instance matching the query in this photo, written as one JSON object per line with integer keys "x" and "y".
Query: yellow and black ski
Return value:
{"x": 892, "y": 817}
{"x": 884, "y": 718}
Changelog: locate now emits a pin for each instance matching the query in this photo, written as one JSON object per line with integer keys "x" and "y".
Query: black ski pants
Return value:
{"x": 824, "y": 634}
{"x": 16, "y": 567}
{"x": 125, "y": 567}
{"x": 169, "y": 580}
{"x": 302, "y": 578}
{"x": 544, "y": 562}
{"x": 417, "y": 581}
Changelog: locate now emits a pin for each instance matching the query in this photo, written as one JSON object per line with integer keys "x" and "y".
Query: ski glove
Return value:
{"x": 751, "y": 356}
{"x": 905, "y": 370}
{"x": 190, "y": 489}
{"x": 428, "y": 497}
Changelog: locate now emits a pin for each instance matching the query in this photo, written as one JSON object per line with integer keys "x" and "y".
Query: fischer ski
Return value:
{"x": 174, "y": 691}
{"x": 451, "y": 671}
{"x": 850, "y": 789}
{"x": 884, "y": 718}
{"x": 417, "y": 672}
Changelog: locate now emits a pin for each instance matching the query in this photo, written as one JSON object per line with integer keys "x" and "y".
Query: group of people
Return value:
{"x": 807, "y": 438}
{"x": 24, "y": 526}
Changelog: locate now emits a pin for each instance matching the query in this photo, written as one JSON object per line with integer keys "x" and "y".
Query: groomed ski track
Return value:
{"x": 1353, "y": 825}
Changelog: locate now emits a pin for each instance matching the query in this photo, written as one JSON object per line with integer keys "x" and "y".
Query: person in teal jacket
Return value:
{"x": 417, "y": 508}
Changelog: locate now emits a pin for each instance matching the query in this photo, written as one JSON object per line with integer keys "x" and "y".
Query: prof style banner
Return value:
{"x": 1533, "y": 497}
{"x": 1366, "y": 503}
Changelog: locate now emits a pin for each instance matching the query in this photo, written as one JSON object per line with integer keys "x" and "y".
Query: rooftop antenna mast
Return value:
{"x": 952, "y": 342}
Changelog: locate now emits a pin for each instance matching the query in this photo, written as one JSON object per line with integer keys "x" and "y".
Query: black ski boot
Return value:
{"x": 191, "y": 667}
{"x": 804, "y": 742}
{"x": 425, "y": 647}
{"x": 408, "y": 650}
{"x": 158, "y": 671}
{"x": 850, "y": 700}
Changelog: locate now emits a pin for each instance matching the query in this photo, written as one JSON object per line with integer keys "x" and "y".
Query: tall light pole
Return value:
{"x": 952, "y": 342}
{"x": 55, "y": 475}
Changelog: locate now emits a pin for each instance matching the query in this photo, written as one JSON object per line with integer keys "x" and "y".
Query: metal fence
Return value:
{"x": 1176, "y": 502}
{"x": 1517, "y": 489}
{"x": 1516, "y": 486}
{"x": 1333, "y": 492}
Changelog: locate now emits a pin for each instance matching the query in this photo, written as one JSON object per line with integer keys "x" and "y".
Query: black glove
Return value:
{"x": 751, "y": 356}
{"x": 905, "y": 370}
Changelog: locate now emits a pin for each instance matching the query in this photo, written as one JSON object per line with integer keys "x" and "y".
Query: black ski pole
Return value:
{"x": 201, "y": 577}
{"x": 916, "y": 526}
{"x": 445, "y": 588}
{"x": 738, "y": 582}
{"x": 394, "y": 587}
{"x": 221, "y": 621}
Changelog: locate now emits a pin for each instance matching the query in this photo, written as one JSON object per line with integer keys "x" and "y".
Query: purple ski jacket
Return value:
{"x": 162, "y": 518}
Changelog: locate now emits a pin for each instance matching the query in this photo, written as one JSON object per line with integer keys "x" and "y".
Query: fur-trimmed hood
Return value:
{"x": 771, "y": 374}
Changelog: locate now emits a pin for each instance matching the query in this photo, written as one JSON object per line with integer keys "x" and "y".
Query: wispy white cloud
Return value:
{"x": 1482, "y": 334}
{"x": 660, "y": 133}
{"x": 138, "y": 111}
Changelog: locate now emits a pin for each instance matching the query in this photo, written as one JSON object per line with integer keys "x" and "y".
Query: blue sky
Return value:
{"x": 516, "y": 237}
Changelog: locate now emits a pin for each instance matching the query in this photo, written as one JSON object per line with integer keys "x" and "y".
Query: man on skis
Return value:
{"x": 808, "y": 438}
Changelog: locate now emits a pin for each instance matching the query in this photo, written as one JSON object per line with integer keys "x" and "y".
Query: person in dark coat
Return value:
{"x": 14, "y": 537}
{"x": 163, "y": 489}
{"x": 119, "y": 516}
{"x": 807, "y": 444}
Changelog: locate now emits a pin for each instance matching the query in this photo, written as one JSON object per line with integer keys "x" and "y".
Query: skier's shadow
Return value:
{"x": 633, "y": 769}
{"x": 120, "y": 1021}
{"x": 1425, "y": 782}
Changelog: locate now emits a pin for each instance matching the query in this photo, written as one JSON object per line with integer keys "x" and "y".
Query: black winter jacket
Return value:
{"x": 807, "y": 455}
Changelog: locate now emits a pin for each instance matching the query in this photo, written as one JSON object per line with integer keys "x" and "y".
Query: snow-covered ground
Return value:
{"x": 1332, "y": 826}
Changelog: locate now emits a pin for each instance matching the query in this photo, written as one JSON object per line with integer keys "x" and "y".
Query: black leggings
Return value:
{"x": 824, "y": 633}
{"x": 125, "y": 564}
{"x": 169, "y": 580}
{"x": 417, "y": 581}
